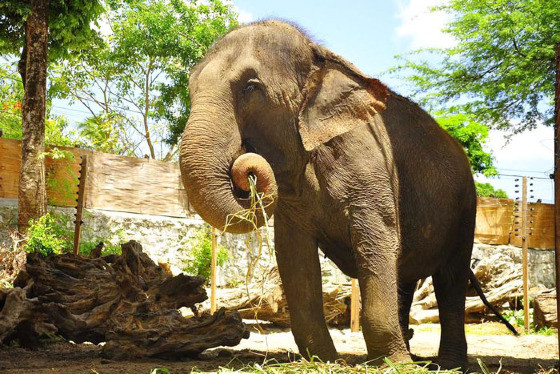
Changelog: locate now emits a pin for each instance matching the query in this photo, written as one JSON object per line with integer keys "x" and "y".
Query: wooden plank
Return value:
{"x": 542, "y": 233}
{"x": 355, "y": 307}
{"x": 493, "y": 220}
{"x": 80, "y": 203}
{"x": 213, "y": 274}
{"x": 524, "y": 235}
{"x": 135, "y": 185}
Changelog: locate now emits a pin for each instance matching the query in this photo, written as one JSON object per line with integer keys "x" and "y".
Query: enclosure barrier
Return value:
{"x": 145, "y": 186}
{"x": 116, "y": 183}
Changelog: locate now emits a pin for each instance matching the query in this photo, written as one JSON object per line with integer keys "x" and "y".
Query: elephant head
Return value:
{"x": 262, "y": 100}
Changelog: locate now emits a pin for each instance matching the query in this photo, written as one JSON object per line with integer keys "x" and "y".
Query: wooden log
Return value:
{"x": 544, "y": 312}
{"x": 126, "y": 301}
{"x": 265, "y": 300}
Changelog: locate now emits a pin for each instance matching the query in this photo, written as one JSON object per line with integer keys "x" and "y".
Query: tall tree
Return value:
{"x": 39, "y": 30}
{"x": 135, "y": 83}
{"x": 501, "y": 69}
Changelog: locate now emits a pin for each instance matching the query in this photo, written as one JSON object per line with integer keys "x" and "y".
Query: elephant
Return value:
{"x": 347, "y": 166}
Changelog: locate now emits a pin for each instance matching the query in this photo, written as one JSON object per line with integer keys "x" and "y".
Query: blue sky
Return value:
{"x": 371, "y": 33}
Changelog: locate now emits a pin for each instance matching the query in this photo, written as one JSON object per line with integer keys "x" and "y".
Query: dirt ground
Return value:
{"x": 524, "y": 354}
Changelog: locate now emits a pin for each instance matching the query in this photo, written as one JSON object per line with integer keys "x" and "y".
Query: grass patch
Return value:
{"x": 255, "y": 239}
{"x": 317, "y": 366}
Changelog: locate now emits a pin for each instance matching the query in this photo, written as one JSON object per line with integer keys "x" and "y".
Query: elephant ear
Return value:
{"x": 337, "y": 98}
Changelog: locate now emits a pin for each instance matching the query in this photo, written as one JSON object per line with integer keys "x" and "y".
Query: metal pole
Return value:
{"x": 213, "y": 274}
{"x": 525, "y": 256}
{"x": 355, "y": 307}
{"x": 80, "y": 202}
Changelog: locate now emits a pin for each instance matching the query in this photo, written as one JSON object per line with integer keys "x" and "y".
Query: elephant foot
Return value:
{"x": 396, "y": 358}
{"x": 445, "y": 364}
{"x": 325, "y": 353}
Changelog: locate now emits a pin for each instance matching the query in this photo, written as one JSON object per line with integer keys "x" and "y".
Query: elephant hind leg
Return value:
{"x": 450, "y": 285}
{"x": 406, "y": 294}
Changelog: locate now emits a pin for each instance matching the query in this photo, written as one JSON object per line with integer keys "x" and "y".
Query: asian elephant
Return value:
{"x": 349, "y": 167}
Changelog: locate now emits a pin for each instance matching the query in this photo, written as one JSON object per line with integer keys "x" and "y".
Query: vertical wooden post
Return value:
{"x": 557, "y": 186}
{"x": 80, "y": 203}
{"x": 213, "y": 274}
{"x": 524, "y": 238}
{"x": 355, "y": 307}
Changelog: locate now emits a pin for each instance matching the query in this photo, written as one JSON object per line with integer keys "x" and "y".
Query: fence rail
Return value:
{"x": 147, "y": 186}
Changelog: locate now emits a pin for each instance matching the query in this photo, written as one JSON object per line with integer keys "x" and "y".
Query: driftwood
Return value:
{"x": 265, "y": 300}
{"x": 501, "y": 281}
{"x": 499, "y": 276}
{"x": 126, "y": 301}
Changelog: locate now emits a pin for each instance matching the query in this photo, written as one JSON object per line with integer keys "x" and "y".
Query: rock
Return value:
{"x": 544, "y": 310}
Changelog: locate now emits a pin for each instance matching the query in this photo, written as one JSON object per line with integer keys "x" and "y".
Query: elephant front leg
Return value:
{"x": 376, "y": 250}
{"x": 300, "y": 271}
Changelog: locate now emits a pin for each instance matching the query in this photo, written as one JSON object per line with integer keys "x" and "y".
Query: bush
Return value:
{"x": 201, "y": 251}
{"x": 487, "y": 190}
{"x": 49, "y": 235}
{"x": 108, "y": 248}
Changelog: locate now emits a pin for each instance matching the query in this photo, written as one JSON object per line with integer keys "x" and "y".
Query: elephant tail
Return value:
{"x": 478, "y": 289}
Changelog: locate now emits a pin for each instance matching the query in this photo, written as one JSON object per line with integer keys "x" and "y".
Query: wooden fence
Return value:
{"x": 496, "y": 223}
{"x": 118, "y": 183}
{"x": 147, "y": 186}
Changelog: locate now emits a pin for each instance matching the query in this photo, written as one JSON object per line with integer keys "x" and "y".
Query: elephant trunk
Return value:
{"x": 215, "y": 172}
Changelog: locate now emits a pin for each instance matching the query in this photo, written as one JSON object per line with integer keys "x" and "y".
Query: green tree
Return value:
{"x": 502, "y": 68}
{"x": 40, "y": 31}
{"x": 472, "y": 135}
{"x": 11, "y": 97}
{"x": 487, "y": 190}
{"x": 136, "y": 81}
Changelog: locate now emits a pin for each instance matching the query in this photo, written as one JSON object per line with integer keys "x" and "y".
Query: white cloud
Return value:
{"x": 531, "y": 154}
{"x": 244, "y": 17}
{"x": 421, "y": 26}
{"x": 536, "y": 147}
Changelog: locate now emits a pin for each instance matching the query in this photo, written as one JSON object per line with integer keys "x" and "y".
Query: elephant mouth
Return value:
{"x": 254, "y": 186}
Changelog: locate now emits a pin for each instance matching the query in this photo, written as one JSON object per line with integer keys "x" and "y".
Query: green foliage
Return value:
{"x": 501, "y": 69}
{"x": 517, "y": 317}
{"x": 135, "y": 81}
{"x": 52, "y": 234}
{"x": 49, "y": 235}
{"x": 69, "y": 26}
{"x": 104, "y": 133}
{"x": 108, "y": 248}
{"x": 11, "y": 98}
{"x": 201, "y": 251}
{"x": 472, "y": 135}
{"x": 487, "y": 190}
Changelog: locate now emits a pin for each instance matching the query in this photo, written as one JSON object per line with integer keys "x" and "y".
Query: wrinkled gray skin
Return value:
{"x": 362, "y": 173}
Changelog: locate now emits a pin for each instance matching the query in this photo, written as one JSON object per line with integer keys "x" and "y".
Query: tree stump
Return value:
{"x": 127, "y": 301}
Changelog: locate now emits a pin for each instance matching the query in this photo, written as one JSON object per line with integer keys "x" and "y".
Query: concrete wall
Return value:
{"x": 169, "y": 239}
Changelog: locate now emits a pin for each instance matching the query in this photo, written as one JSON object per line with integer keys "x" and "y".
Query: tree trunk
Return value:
{"x": 32, "y": 190}
{"x": 557, "y": 183}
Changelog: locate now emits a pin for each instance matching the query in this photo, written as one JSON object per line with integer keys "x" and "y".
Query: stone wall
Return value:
{"x": 169, "y": 239}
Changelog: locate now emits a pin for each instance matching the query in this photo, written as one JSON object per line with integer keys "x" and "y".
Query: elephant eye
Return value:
{"x": 252, "y": 85}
